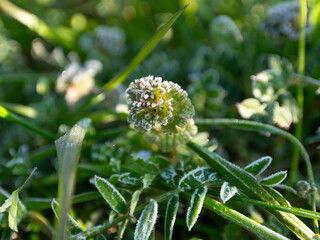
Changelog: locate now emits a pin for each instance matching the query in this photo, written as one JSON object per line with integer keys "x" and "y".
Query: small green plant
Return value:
{"x": 141, "y": 156}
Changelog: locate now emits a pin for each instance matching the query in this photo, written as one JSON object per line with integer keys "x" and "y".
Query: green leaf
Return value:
{"x": 146, "y": 221}
{"x": 134, "y": 201}
{"x": 6, "y": 204}
{"x": 227, "y": 191}
{"x": 258, "y": 166}
{"x": 248, "y": 185}
{"x": 147, "y": 179}
{"x": 72, "y": 225}
{"x": 199, "y": 176}
{"x": 168, "y": 175}
{"x": 261, "y": 231}
{"x": 251, "y": 106}
{"x": 171, "y": 213}
{"x": 195, "y": 206}
{"x": 122, "y": 228}
{"x": 68, "y": 151}
{"x": 13, "y": 220}
{"x": 112, "y": 216}
{"x": 274, "y": 179}
{"x": 263, "y": 85}
{"x": 112, "y": 196}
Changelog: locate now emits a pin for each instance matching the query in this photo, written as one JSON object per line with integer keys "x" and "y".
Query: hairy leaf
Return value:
{"x": 227, "y": 191}
{"x": 112, "y": 196}
{"x": 134, "y": 201}
{"x": 13, "y": 220}
{"x": 198, "y": 177}
{"x": 146, "y": 221}
{"x": 171, "y": 213}
{"x": 195, "y": 206}
{"x": 274, "y": 179}
{"x": 258, "y": 166}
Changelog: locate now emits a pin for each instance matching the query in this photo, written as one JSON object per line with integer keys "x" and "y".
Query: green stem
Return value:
{"x": 249, "y": 186}
{"x": 255, "y": 126}
{"x": 6, "y": 114}
{"x": 238, "y": 218}
{"x": 296, "y": 211}
{"x": 261, "y": 127}
{"x": 300, "y": 97}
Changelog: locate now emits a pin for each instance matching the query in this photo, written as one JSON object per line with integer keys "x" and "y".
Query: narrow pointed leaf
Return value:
{"x": 134, "y": 201}
{"x": 147, "y": 180}
{"x": 72, "y": 225}
{"x": 258, "y": 166}
{"x": 195, "y": 206}
{"x": 146, "y": 221}
{"x": 274, "y": 179}
{"x": 171, "y": 213}
{"x": 112, "y": 216}
{"x": 122, "y": 229}
{"x": 112, "y": 196}
{"x": 261, "y": 231}
{"x": 13, "y": 220}
{"x": 199, "y": 176}
{"x": 227, "y": 191}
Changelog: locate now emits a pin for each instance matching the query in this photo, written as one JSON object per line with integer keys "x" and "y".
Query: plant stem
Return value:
{"x": 255, "y": 126}
{"x": 25, "y": 183}
{"x": 300, "y": 97}
{"x": 234, "y": 216}
{"x": 261, "y": 127}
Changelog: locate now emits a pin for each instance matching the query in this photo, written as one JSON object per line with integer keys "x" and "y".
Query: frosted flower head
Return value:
{"x": 283, "y": 20}
{"x": 153, "y": 101}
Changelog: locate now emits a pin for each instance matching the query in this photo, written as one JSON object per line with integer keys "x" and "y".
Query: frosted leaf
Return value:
{"x": 198, "y": 177}
{"x": 227, "y": 191}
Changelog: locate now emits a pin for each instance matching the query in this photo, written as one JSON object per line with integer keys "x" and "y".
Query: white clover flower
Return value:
{"x": 77, "y": 81}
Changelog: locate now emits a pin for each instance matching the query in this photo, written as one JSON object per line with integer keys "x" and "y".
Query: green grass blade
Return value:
{"x": 142, "y": 54}
{"x": 296, "y": 211}
{"x": 6, "y": 114}
{"x": 68, "y": 150}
